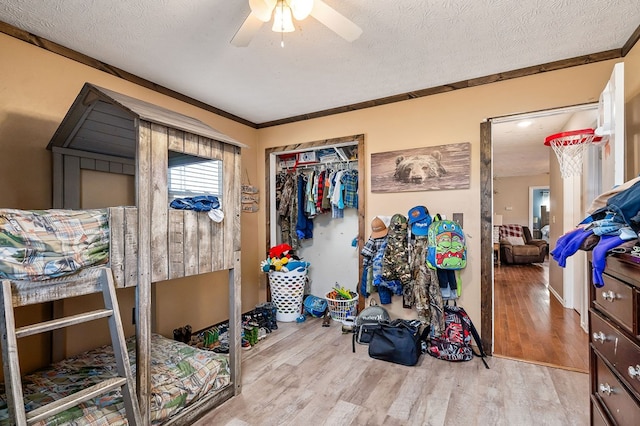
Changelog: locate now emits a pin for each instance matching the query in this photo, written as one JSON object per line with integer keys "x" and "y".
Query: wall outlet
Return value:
{"x": 457, "y": 217}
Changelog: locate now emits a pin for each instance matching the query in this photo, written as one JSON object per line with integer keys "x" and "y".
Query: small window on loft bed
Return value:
{"x": 190, "y": 176}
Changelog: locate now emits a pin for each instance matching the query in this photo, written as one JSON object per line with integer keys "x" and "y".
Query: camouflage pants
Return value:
{"x": 427, "y": 298}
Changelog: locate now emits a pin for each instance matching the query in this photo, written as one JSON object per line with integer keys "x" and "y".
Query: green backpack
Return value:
{"x": 446, "y": 245}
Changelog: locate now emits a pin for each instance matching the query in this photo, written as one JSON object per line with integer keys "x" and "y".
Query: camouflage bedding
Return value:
{"x": 40, "y": 244}
{"x": 180, "y": 374}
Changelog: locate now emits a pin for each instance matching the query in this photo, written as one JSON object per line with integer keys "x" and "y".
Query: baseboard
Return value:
{"x": 556, "y": 295}
{"x": 544, "y": 364}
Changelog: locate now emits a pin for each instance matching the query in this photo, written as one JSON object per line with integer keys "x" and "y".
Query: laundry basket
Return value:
{"x": 340, "y": 309}
{"x": 287, "y": 289}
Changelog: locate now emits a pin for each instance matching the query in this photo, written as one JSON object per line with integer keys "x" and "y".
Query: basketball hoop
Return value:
{"x": 569, "y": 147}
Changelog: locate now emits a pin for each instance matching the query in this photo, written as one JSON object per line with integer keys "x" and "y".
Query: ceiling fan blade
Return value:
{"x": 335, "y": 21}
{"x": 249, "y": 27}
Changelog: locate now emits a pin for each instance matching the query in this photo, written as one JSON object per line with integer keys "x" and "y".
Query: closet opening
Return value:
{"x": 333, "y": 241}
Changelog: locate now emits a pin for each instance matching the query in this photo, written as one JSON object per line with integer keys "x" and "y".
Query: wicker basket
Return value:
{"x": 287, "y": 289}
{"x": 340, "y": 309}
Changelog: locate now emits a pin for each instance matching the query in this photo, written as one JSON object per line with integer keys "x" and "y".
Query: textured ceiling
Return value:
{"x": 405, "y": 46}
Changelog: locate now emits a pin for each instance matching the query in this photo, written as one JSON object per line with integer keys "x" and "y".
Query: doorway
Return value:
{"x": 539, "y": 212}
{"x": 352, "y": 240}
{"x": 523, "y": 159}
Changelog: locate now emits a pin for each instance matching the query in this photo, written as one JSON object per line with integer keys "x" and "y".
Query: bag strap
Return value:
{"x": 476, "y": 337}
{"x": 424, "y": 336}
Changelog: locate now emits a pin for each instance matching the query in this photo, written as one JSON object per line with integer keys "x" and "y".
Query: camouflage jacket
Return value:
{"x": 395, "y": 263}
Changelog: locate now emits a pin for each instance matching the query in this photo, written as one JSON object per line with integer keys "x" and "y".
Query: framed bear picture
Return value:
{"x": 431, "y": 168}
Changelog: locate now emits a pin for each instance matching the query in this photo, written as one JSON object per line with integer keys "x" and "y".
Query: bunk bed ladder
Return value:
{"x": 13, "y": 383}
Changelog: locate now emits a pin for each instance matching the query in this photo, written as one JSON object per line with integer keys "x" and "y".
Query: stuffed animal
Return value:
{"x": 279, "y": 264}
{"x": 280, "y": 251}
{"x": 282, "y": 259}
{"x": 292, "y": 265}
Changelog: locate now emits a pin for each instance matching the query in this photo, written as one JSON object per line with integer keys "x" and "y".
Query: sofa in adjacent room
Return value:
{"x": 518, "y": 247}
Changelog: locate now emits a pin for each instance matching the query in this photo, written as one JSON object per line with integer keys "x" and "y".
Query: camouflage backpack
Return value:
{"x": 395, "y": 263}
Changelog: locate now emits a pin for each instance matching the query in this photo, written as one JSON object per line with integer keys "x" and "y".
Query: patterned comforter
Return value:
{"x": 180, "y": 374}
{"x": 41, "y": 244}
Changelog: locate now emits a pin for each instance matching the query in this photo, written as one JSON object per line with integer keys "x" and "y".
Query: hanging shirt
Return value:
{"x": 350, "y": 182}
{"x": 326, "y": 200}
{"x": 304, "y": 225}
{"x": 320, "y": 191}
{"x": 337, "y": 198}
{"x": 309, "y": 203}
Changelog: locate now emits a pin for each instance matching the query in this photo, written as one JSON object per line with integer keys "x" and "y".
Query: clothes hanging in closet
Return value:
{"x": 304, "y": 225}
{"x": 303, "y": 195}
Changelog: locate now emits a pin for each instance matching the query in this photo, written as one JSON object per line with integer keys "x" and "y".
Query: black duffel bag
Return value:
{"x": 398, "y": 341}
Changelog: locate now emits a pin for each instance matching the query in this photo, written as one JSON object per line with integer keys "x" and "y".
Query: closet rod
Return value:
{"x": 330, "y": 164}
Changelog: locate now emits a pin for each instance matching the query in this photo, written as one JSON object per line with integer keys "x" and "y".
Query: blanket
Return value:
{"x": 41, "y": 244}
{"x": 180, "y": 374}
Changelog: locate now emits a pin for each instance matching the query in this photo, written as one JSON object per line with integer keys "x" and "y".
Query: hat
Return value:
{"x": 418, "y": 214}
{"x": 216, "y": 215}
{"x": 378, "y": 228}
{"x": 421, "y": 228}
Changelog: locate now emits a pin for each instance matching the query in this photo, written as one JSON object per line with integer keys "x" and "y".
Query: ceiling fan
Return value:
{"x": 282, "y": 12}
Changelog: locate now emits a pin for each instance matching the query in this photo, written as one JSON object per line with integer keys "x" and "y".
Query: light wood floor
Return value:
{"x": 306, "y": 374}
{"x": 531, "y": 324}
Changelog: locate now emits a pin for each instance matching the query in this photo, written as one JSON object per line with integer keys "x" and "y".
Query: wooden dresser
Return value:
{"x": 614, "y": 338}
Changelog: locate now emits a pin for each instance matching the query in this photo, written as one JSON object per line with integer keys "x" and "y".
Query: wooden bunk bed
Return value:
{"x": 150, "y": 242}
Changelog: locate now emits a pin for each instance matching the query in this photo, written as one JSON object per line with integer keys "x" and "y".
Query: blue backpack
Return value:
{"x": 446, "y": 245}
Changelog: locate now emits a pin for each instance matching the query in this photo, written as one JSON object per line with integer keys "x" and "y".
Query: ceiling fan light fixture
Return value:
{"x": 301, "y": 9}
{"x": 282, "y": 18}
{"x": 262, "y": 9}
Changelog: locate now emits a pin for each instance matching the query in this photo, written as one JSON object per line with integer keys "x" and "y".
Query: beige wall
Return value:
{"x": 511, "y": 197}
{"x": 37, "y": 88}
{"x": 443, "y": 119}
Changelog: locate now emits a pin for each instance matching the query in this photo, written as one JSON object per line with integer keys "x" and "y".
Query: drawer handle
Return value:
{"x": 606, "y": 388}
{"x": 599, "y": 337}
{"x": 609, "y": 295}
{"x": 634, "y": 372}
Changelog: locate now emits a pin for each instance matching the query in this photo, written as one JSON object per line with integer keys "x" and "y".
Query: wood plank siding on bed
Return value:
{"x": 102, "y": 136}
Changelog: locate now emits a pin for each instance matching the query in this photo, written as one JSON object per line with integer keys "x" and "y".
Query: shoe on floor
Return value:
{"x": 326, "y": 321}
{"x": 221, "y": 349}
{"x": 262, "y": 332}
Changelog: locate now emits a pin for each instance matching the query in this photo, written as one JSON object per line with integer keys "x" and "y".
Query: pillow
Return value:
{"x": 511, "y": 231}
{"x": 515, "y": 241}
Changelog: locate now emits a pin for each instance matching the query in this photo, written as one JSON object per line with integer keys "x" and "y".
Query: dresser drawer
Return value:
{"x": 598, "y": 418}
{"x": 622, "y": 408}
{"x": 616, "y": 299}
{"x": 619, "y": 351}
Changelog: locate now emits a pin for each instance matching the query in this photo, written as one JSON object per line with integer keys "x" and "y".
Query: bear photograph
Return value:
{"x": 422, "y": 169}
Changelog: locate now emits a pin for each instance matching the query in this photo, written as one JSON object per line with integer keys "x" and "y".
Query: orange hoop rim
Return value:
{"x": 587, "y": 135}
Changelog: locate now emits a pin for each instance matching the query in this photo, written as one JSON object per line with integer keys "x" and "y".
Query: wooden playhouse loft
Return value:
{"x": 150, "y": 242}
